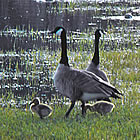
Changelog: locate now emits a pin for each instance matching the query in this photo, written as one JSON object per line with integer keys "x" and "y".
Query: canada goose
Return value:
{"x": 94, "y": 65}
{"x": 102, "y": 107}
{"x": 42, "y": 110}
{"x": 79, "y": 84}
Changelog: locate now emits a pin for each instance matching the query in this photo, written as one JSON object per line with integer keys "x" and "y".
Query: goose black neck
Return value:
{"x": 95, "y": 59}
{"x": 64, "y": 58}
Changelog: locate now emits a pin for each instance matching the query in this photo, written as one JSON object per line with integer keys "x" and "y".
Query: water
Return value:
{"x": 38, "y": 16}
{"x": 25, "y": 71}
{"x": 43, "y": 16}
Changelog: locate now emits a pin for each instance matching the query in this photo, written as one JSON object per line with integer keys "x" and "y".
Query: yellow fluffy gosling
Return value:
{"x": 102, "y": 107}
{"x": 40, "y": 109}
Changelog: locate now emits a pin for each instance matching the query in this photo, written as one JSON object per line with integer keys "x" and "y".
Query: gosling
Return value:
{"x": 42, "y": 110}
{"x": 102, "y": 107}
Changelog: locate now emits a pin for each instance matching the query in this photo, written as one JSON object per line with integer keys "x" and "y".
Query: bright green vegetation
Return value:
{"x": 122, "y": 68}
{"x": 122, "y": 123}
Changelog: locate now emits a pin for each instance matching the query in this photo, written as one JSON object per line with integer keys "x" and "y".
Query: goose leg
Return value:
{"x": 83, "y": 108}
{"x": 71, "y": 107}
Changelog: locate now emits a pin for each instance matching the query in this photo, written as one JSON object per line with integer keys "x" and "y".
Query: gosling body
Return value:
{"x": 102, "y": 107}
{"x": 42, "y": 110}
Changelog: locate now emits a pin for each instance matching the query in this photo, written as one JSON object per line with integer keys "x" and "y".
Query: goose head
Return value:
{"x": 95, "y": 59}
{"x": 99, "y": 32}
{"x": 58, "y": 31}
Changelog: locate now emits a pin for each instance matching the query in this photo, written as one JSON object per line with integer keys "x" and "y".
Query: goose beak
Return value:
{"x": 103, "y": 32}
{"x": 50, "y": 32}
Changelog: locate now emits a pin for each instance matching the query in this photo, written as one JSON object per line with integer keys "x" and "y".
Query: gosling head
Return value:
{"x": 35, "y": 101}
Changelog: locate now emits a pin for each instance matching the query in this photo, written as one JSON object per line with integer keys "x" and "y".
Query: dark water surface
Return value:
{"x": 29, "y": 15}
{"x": 24, "y": 24}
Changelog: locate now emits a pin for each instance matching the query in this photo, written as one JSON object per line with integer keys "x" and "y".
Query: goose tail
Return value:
{"x": 112, "y": 92}
{"x": 115, "y": 96}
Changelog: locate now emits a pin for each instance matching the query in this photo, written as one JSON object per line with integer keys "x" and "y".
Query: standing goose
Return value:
{"x": 79, "y": 84}
{"x": 94, "y": 65}
{"x": 42, "y": 110}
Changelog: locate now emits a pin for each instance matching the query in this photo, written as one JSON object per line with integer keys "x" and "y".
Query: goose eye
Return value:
{"x": 59, "y": 32}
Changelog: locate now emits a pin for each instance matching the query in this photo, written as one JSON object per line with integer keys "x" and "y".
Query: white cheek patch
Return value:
{"x": 59, "y": 32}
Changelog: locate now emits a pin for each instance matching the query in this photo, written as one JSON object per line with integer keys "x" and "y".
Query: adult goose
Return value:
{"x": 42, "y": 110}
{"x": 94, "y": 65}
{"x": 79, "y": 84}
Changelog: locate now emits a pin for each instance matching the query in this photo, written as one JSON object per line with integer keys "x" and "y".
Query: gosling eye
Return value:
{"x": 59, "y": 32}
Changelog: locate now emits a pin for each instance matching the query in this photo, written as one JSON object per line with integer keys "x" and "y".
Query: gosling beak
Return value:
{"x": 30, "y": 103}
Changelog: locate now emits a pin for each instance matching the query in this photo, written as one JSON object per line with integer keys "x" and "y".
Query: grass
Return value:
{"x": 123, "y": 123}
